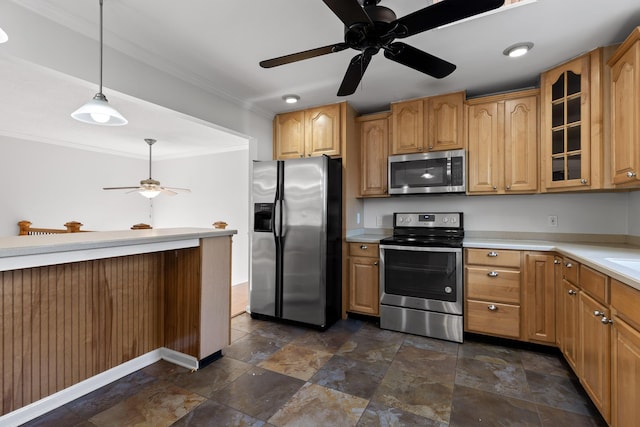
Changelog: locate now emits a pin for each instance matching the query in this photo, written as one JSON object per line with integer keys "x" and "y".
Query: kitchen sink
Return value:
{"x": 630, "y": 263}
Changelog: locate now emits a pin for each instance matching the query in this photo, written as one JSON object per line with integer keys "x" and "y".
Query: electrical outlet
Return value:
{"x": 358, "y": 218}
{"x": 379, "y": 220}
{"x": 552, "y": 220}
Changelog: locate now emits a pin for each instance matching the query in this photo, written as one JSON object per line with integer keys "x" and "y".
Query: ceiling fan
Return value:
{"x": 150, "y": 187}
{"x": 369, "y": 28}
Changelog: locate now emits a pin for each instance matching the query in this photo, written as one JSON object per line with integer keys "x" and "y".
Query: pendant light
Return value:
{"x": 3, "y": 36}
{"x": 98, "y": 111}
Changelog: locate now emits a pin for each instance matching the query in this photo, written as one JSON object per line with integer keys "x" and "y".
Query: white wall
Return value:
{"x": 218, "y": 185}
{"x": 50, "y": 185}
{"x": 595, "y": 213}
{"x": 634, "y": 213}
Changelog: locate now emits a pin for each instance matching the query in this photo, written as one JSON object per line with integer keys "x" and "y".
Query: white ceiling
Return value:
{"x": 218, "y": 45}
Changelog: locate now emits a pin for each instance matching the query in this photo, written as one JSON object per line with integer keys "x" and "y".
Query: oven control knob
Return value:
{"x": 445, "y": 220}
{"x": 409, "y": 219}
{"x": 453, "y": 219}
{"x": 448, "y": 290}
{"x": 400, "y": 219}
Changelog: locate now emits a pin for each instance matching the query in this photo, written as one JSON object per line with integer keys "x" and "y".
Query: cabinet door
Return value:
{"x": 625, "y": 116}
{"x": 364, "y": 296}
{"x": 288, "y": 135}
{"x": 484, "y": 140}
{"x": 322, "y": 131}
{"x": 595, "y": 353}
{"x": 625, "y": 380}
{"x": 570, "y": 324}
{"x": 374, "y": 140}
{"x": 566, "y": 125}
{"x": 445, "y": 119}
{"x": 540, "y": 297}
{"x": 521, "y": 144}
{"x": 408, "y": 123}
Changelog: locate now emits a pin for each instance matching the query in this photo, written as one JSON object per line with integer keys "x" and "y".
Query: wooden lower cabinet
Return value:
{"x": 569, "y": 319}
{"x": 364, "y": 291}
{"x": 493, "y": 318}
{"x": 539, "y": 297}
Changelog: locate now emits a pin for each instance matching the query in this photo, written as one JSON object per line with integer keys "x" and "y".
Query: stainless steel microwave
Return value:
{"x": 436, "y": 172}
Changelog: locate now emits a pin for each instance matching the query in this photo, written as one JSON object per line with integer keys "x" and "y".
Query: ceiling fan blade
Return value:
{"x": 352, "y": 77}
{"x": 419, "y": 60}
{"x": 442, "y": 13}
{"x": 177, "y": 189}
{"x": 168, "y": 192}
{"x": 294, "y": 57}
{"x": 349, "y": 11}
{"x": 120, "y": 188}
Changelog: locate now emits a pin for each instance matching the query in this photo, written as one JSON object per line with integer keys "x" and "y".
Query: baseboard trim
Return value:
{"x": 62, "y": 397}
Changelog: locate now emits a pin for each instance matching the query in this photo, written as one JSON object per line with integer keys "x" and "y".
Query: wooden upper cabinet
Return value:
{"x": 322, "y": 131}
{"x": 408, "y": 123}
{"x": 305, "y": 133}
{"x": 444, "y": 116}
{"x": 374, "y": 149}
{"x": 572, "y": 123}
{"x": 502, "y": 139}
{"x": 625, "y": 112}
{"x": 288, "y": 135}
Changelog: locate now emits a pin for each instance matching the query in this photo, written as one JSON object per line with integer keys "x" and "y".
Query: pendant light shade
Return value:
{"x": 98, "y": 111}
{"x": 3, "y": 36}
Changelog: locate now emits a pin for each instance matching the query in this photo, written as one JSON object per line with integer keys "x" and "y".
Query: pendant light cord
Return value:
{"x": 100, "y": 46}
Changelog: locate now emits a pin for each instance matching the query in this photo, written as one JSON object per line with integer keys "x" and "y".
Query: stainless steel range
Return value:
{"x": 421, "y": 275}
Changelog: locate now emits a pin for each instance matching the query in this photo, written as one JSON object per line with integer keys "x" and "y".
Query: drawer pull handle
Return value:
{"x": 556, "y": 261}
{"x": 572, "y": 292}
{"x": 599, "y": 313}
{"x": 492, "y": 254}
{"x": 631, "y": 174}
{"x": 492, "y": 274}
{"x": 568, "y": 265}
{"x": 583, "y": 181}
{"x": 364, "y": 247}
{"x": 606, "y": 321}
{"x": 492, "y": 308}
{"x": 375, "y": 263}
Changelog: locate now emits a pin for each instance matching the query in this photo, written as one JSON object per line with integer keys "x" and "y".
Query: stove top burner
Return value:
{"x": 427, "y": 230}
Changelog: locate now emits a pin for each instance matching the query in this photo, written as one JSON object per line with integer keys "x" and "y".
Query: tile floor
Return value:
{"x": 354, "y": 374}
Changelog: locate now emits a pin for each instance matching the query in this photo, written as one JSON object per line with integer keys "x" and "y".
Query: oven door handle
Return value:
{"x": 421, "y": 248}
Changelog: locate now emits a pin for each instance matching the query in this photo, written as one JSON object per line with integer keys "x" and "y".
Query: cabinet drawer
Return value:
{"x": 493, "y": 284}
{"x": 494, "y": 257}
{"x": 626, "y": 301}
{"x": 595, "y": 283}
{"x": 493, "y": 318}
{"x": 570, "y": 271}
{"x": 364, "y": 249}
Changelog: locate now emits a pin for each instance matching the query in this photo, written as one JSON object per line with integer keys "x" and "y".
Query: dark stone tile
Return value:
{"x": 295, "y": 361}
{"x": 433, "y": 344}
{"x": 280, "y": 333}
{"x": 351, "y": 376}
{"x": 489, "y": 353}
{"x": 473, "y": 407}
{"x": 439, "y": 367}
{"x": 244, "y": 322}
{"x": 329, "y": 341}
{"x": 370, "y": 348}
{"x": 213, "y": 377}
{"x": 165, "y": 370}
{"x": 251, "y": 349}
{"x": 212, "y": 413}
{"x": 544, "y": 363}
{"x": 415, "y": 394}
{"x": 347, "y": 325}
{"x": 236, "y": 334}
{"x": 379, "y": 415}
{"x": 259, "y": 392}
{"x": 552, "y": 417}
{"x": 374, "y": 332}
{"x": 110, "y": 395}
{"x": 559, "y": 392}
{"x": 500, "y": 378}
{"x": 61, "y": 416}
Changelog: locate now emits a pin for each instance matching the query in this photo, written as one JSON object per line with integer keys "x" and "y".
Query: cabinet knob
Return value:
{"x": 375, "y": 263}
{"x": 301, "y": 155}
{"x": 364, "y": 247}
{"x": 508, "y": 187}
{"x": 430, "y": 147}
{"x": 606, "y": 321}
{"x": 494, "y": 187}
{"x": 631, "y": 174}
{"x": 492, "y": 274}
{"x": 492, "y": 254}
{"x": 571, "y": 292}
{"x": 308, "y": 155}
{"x": 568, "y": 265}
{"x": 598, "y": 313}
{"x": 583, "y": 181}
{"x": 492, "y": 308}
{"x": 556, "y": 261}
{"x": 419, "y": 148}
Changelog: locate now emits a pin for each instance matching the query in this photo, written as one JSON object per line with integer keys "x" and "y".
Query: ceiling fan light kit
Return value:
{"x": 98, "y": 111}
{"x": 517, "y": 50}
{"x": 3, "y": 36}
{"x": 370, "y": 28}
{"x": 149, "y": 187}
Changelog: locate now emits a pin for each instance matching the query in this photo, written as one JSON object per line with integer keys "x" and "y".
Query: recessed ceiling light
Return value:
{"x": 291, "y": 99}
{"x": 3, "y": 36}
{"x": 518, "y": 49}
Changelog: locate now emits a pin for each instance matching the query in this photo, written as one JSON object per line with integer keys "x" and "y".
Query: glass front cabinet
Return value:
{"x": 571, "y": 125}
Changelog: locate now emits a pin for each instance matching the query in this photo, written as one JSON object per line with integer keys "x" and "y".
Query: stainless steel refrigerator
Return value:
{"x": 296, "y": 246}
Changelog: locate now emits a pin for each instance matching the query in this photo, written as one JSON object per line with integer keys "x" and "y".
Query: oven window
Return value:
{"x": 428, "y": 275}
{"x": 420, "y": 173}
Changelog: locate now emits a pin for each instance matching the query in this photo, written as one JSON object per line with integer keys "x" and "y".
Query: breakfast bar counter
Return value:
{"x": 80, "y": 310}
